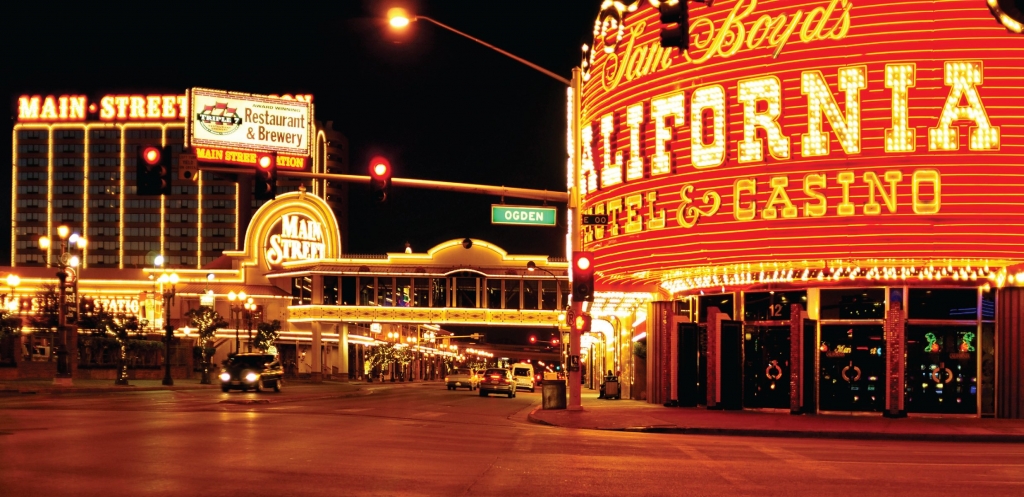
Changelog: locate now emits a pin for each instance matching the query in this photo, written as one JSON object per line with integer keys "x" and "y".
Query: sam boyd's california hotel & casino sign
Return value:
{"x": 801, "y": 140}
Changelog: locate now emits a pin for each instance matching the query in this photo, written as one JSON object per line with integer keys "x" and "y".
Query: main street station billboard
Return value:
{"x": 233, "y": 128}
{"x": 797, "y": 136}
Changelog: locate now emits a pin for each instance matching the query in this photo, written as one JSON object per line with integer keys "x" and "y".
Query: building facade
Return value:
{"x": 74, "y": 163}
{"x": 822, "y": 201}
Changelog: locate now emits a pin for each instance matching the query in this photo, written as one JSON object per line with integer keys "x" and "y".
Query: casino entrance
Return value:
{"x": 852, "y": 368}
{"x": 766, "y": 366}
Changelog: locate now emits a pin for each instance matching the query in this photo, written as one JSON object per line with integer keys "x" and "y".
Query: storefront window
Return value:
{"x": 439, "y": 292}
{"x": 531, "y": 294}
{"x": 465, "y": 290}
{"x": 302, "y": 290}
{"x": 348, "y": 290}
{"x": 549, "y": 294}
{"x": 402, "y": 296}
{"x": 330, "y": 290}
{"x": 771, "y": 306}
{"x": 943, "y": 304}
{"x": 864, "y": 303}
{"x": 724, "y": 303}
{"x": 942, "y": 365}
{"x": 512, "y": 290}
{"x": 384, "y": 286}
{"x": 494, "y": 294}
{"x": 421, "y": 292}
{"x": 988, "y": 304}
{"x": 366, "y": 290}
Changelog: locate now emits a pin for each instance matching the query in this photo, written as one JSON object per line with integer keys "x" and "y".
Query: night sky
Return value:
{"x": 440, "y": 106}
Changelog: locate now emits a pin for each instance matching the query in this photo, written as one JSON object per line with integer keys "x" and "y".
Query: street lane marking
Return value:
{"x": 719, "y": 468}
{"x": 802, "y": 462}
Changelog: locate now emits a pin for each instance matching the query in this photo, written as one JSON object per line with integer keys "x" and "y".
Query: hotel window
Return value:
{"x": 531, "y": 295}
{"x": 402, "y": 292}
{"x": 549, "y": 295}
{"x": 366, "y": 290}
{"x": 105, "y": 134}
{"x": 32, "y": 134}
{"x": 31, "y": 148}
{"x": 144, "y": 133}
{"x": 421, "y": 292}
{"x": 384, "y": 286}
{"x": 31, "y": 162}
{"x": 68, "y": 148}
{"x": 70, "y": 134}
{"x": 103, "y": 162}
{"x": 68, "y": 162}
{"x": 439, "y": 292}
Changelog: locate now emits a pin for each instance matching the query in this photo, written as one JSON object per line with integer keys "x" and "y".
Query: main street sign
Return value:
{"x": 524, "y": 215}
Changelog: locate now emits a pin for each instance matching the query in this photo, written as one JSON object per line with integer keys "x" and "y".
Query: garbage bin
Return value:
{"x": 611, "y": 388}
{"x": 553, "y": 394}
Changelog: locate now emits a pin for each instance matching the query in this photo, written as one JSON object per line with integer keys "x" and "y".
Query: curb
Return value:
{"x": 841, "y": 435}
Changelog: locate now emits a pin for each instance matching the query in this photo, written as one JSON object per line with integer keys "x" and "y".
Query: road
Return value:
{"x": 420, "y": 439}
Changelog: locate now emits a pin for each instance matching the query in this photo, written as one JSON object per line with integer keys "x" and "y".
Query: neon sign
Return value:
{"x": 298, "y": 238}
{"x": 793, "y": 142}
{"x": 111, "y": 108}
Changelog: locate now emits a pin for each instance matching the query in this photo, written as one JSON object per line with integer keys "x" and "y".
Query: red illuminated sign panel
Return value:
{"x": 792, "y": 138}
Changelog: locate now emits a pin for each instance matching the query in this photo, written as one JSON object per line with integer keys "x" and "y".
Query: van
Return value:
{"x": 523, "y": 374}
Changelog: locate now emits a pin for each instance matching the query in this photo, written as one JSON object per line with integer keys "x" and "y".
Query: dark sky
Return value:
{"x": 440, "y": 106}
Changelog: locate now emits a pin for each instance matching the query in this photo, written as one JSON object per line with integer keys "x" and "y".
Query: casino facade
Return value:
{"x": 824, "y": 197}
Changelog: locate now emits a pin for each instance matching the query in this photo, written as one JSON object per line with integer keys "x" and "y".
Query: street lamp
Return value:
{"x": 66, "y": 263}
{"x": 399, "y": 19}
{"x": 236, "y": 310}
{"x": 169, "y": 282}
{"x": 13, "y": 281}
{"x": 250, "y": 309}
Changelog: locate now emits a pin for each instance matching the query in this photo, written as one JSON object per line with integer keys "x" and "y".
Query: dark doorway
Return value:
{"x": 942, "y": 366}
{"x": 766, "y": 367}
{"x": 852, "y": 359}
{"x": 689, "y": 358}
{"x": 731, "y": 375}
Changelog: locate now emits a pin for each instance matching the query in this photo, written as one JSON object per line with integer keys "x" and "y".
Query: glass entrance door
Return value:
{"x": 852, "y": 360}
{"x": 766, "y": 366}
{"x": 942, "y": 365}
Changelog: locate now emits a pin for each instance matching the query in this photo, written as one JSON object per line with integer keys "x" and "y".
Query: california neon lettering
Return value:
{"x": 300, "y": 238}
{"x": 761, "y": 101}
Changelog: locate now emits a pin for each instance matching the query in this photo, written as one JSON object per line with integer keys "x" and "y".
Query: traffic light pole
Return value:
{"x": 502, "y": 191}
{"x": 576, "y": 230}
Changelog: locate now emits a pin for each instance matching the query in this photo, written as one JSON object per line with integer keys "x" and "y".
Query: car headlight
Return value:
{"x": 252, "y": 377}
{"x": 225, "y": 376}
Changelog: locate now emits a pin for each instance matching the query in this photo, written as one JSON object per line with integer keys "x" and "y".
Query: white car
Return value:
{"x": 523, "y": 374}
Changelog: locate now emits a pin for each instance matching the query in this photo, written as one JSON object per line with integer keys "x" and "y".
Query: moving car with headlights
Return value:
{"x": 498, "y": 381}
{"x": 462, "y": 378}
{"x": 256, "y": 371}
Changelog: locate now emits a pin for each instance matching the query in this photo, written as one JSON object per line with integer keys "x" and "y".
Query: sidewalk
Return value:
{"x": 632, "y": 415}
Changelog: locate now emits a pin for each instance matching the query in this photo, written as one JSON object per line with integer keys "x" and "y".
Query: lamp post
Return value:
{"x": 66, "y": 263}
{"x": 399, "y": 18}
{"x": 250, "y": 309}
{"x": 236, "y": 310}
{"x": 169, "y": 283}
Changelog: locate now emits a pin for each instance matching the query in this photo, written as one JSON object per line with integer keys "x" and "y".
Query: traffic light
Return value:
{"x": 675, "y": 24}
{"x": 533, "y": 339}
{"x": 153, "y": 170}
{"x": 582, "y": 322}
{"x": 380, "y": 178}
{"x": 265, "y": 182}
{"x": 583, "y": 276}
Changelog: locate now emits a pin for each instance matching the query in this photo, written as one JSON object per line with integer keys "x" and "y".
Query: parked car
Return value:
{"x": 498, "y": 381}
{"x": 462, "y": 378}
{"x": 256, "y": 371}
{"x": 523, "y": 373}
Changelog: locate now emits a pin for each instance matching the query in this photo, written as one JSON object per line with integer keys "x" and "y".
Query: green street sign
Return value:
{"x": 524, "y": 215}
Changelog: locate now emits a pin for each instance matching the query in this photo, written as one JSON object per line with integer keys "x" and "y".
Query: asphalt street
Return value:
{"x": 420, "y": 439}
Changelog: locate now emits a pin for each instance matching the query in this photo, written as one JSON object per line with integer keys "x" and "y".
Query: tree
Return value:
{"x": 10, "y": 325}
{"x": 206, "y": 321}
{"x": 119, "y": 327}
{"x": 266, "y": 334}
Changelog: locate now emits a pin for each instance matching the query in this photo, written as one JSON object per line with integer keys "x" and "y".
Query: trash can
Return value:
{"x": 611, "y": 388}
{"x": 553, "y": 394}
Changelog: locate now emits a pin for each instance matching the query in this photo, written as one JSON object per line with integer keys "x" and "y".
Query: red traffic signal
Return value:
{"x": 533, "y": 339}
{"x": 583, "y": 276}
{"x": 265, "y": 181}
{"x": 380, "y": 178}
{"x": 151, "y": 155}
